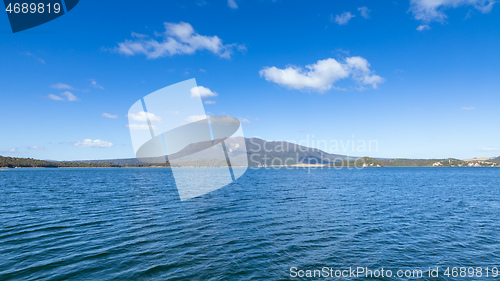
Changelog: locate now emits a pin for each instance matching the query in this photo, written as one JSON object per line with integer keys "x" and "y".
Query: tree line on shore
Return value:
{"x": 13, "y": 162}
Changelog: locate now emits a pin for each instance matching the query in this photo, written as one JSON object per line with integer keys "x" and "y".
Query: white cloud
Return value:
{"x": 144, "y": 116}
{"x": 244, "y": 120}
{"x": 209, "y": 102}
{"x": 12, "y": 150}
{"x": 469, "y": 108}
{"x": 202, "y": 92}
{"x": 69, "y": 96}
{"x": 489, "y": 149}
{"x": 94, "y": 83}
{"x": 54, "y": 97}
{"x": 344, "y": 18}
{"x": 364, "y": 11}
{"x": 432, "y": 10}
{"x": 94, "y": 143}
{"x": 322, "y": 75}
{"x": 34, "y": 147}
{"x": 178, "y": 38}
{"x": 61, "y": 86}
{"x": 138, "y": 35}
{"x": 423, "y": 27}
{"x": 42, "y": 61}
{"x": 232, "y": 4}
{"x": 194, "y": 118}
{"x": 140, "y": 127}
{"x": 112, "y": 116}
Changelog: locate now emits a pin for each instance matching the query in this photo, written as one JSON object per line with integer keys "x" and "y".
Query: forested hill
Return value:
{"x": 12, "y": 162}
{"x": 371, "y": 162}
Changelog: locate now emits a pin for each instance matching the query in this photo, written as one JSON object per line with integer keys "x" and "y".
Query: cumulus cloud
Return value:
{"x": 322, "y": 75}
{"x": 232, "y": 4}
{"x": 344, "y": 18}
{"x": 432, "y": 10}
{"x": 94, "y": 143}
{"x": 177, "y": 39}
{"x": 111, "y": 116}
{"x": 202, "y": 92}
{"x": 423, "y": 27}
{"x": 359, "y": 69}
{"x": 144, "y": 116}
{"x": 140, "y": 127}
{"x": 209, "y": 102}
{"x": 12, "y": 150}
{"x": 364, "y": 11}
{"x": 61, "y": 86}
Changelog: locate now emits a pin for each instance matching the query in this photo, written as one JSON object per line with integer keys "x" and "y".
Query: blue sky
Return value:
{"x": 418, "y": 76}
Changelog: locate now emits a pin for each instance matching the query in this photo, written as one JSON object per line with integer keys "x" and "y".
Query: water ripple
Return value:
{"x": 107, "y": 224}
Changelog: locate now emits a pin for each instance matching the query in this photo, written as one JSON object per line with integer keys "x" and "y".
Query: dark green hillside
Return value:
{"x": 409, "y": 162}
{"x": 13, "y": 162}
{"x": 359, "y": 163}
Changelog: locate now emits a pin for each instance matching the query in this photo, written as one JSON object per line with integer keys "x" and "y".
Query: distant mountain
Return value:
{"x": 258, "y": 153}
{"x": 269, "y": 153}
{"x": 496, "y": 159}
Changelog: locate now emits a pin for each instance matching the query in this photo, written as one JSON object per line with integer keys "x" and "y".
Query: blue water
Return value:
{"x": 128, "y": 224}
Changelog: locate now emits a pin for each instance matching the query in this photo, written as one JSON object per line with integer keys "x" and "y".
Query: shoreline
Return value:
{"x": 249, "y": 167}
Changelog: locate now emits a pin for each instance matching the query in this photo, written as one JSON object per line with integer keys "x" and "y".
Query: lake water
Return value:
{"x": 129, "y": 224}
